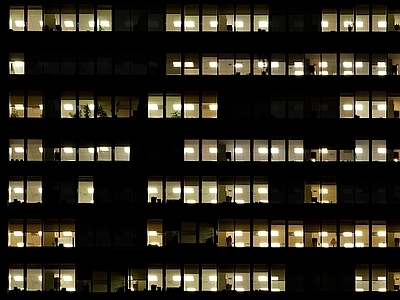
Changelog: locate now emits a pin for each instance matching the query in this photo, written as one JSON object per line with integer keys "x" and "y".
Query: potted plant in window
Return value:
{"x": 73, "y": 115}
{"x": 101, "y": 113}
{"x": 176, "y": 114}
{"x": 86, "y": 111}
{"x": 209, "y": 240}
{"x": 350, "y": 25}
{"x": 397, "y": 27}
{"x": 14, "y": 114}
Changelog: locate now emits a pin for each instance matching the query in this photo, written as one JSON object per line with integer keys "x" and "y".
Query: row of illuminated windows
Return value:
{"x": 190, "y": 278}
{"x": 190, "y": 104}
{"x": 222, "y": 233}
{"x": 206, "y": 189}
{"x": 206, "y": 18}
{"x": 33, "y": 150}
{"x": 286, "y": 150}
{"x": 297, "y": 64}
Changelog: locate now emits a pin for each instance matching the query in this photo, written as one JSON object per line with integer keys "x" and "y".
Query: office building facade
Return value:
{"x": 192, "y": 149}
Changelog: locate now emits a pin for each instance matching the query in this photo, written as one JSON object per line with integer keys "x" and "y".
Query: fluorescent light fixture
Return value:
{"x": 105, "y": 23}
{"x": 189, "y": 64}
{"x": 214, "y": 289}
{"x": 381, "y": 64}
{"x": 190, "y": 289}
{"x": 298, "y": 150}
{"x": 360, "y": 245}
{"x": 19, "y": 106}
{"x": 381, "y": 24}
{"x": 323, "y": 234}
{"x": 299, "y": 245}
{"x": 127, "y": 150}
{"x": 18, "y": 190}
{"x": 324, "y": 73}
{"x": 152, "y": 190}
{"x": 213, "y": 23}
{"x": 91, "y": 150}
{"x": 103, "y": 149}
{"x": 382, "y": 245}
{"x": 91, "y": 23}
{"x": 359, "y": 64}
{"x": 262, "y": 233}
{"x": 347, "y": 107}
{"x": 176, "y": 106}
{"x": 323, "y": 64}
{"x": 274, "y": 278}
{"x": 41, "y": 106}
{"x": 238, "y": 278}
{"x": 70, "y": 289}
{"x": 323, "y": 191}
{"x": 274, "y": 233}
{"x": 213, "y": 190}
{"x": 18, "y": 63}
{"x": 239, "y": 245}
{"x": 359, "y": 290}
{"x": 382, "y": 150}
{"x": 191, "y": 201}
{"x": 40, "y": 277}
{"x": 298, "y": 233}
{"x": 274, "y": 150}
{"x": 18, "y": 149}
{"x": 275, "y": 64}
{"x": 239, "y": 289}
{"x": 177, "y": 24}
{"x": 40, "y": 233}
{"x": 298, "y": 73}
{"x": 348, "y": 245}
{"x": 18, "y": 233}
{"x": 359, "y": 278}
{"x": 213, "y": 278}
{"x": 381, "y": 106}
{"x": 239, "y": 150}
{"x": 176, "y": 278}
{"x": 263, "y": 201}
{"x": 190, "y": 24}
{"x": 298, "y": 64}
{"x": 239, "y": 233}
{"x": 188, "y": 150}
{"x": 152, "y": 106}
{"x": 347, "y": 234}
{"x": 262, "y": 150}
{"x": 213, "y": 64}
{"x": 239, "y": 201}
{"x": 176, "y": 190}
{"x": 238, "y": 65}
{"x": 41, "y": 23}
{"x": 347, "y": 64}
{"x": 20, "y": 245}
{"x": 347, "y": 72}
{"x": 382, "y": 290}
{"x": 152, "y": 278}
{"x": 69, "y": 24}
{"x": 213, "y": 150}
{"x": 213, "y": 107}
{"x": 325, "y": 245}
{"x": 18, "y": 278}
{"x": 263, "y": 245}
{"x": 90, "y": 190}
{"x": 262, "y": 278}
{"x": 262, "y": 64}
{"x": 359, "y": 150}
{"x": 188, "y": 190}
{"x": 381, "y": 73}
{"x": 262, "y": 190}
{"x": 152, "y": 233}
{"x": 263, "y": 24}
{"x": 68, "y": 150}
{"x": 381, "y": 233}
{"x": 41, "y": 149}
{"x": 67, "y": 233}
{"x": 68, "y": 106}
{"x": 40, "y": 190}
{"x": 188, "y": 106}
{"x": 324, "y": 24}
{"x": 360, "y": 24}
{"x": 238, "y": 190}
{"x": 176, "y": 64}
{"x": 381, "y": 278}
{"x": 19, "y": 23}
{"x": 239, "y": 24}
{"x": 347, "y": 23}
